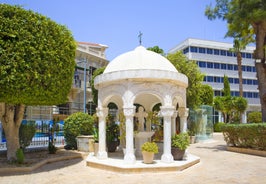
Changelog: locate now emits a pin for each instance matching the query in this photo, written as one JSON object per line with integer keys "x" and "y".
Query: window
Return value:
{"x": 243, "y": 55}
{"x": 236, "y": 93}
{"x": 216, "y": 52}
{"x": 209, "y": 65}
{"x": 235, "y": 67}
{"x": 249, "y": 68}
{"x": 229, "y": 53}
{"x": 217, "y": 93}
{"x": 230, "y": 67}
{"x": 223, "y": 66}
{"x": 217, "y": 65}
{"x": 244, "y": 68}
{"x": 209, "y": 78}
{"x": 209, "y": 51}
{"x": 202, "y": 64}
{"x": 193, "y": 49}
{"x": 204, "y": 79}
{"x": 256, "y": 95}
{"x": 185, "y": 50}
{"x": 217, "y": 79}
{"x": 249, "y": 81}
{"x": 231, "y": 80}
{"x": 223, "y": 52}
{"x": 202, "y": 50}
{"x": 248, "y": 55}
{"x": 250, "y": 94}
{"x": 244, "y": 81}
{"x": 236, "y": 80}
{"x": 253, "y": 69}
{"x": 255, "y": 82}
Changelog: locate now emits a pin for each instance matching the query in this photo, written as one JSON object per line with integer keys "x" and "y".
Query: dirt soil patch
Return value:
{"x": 35, "y": 157}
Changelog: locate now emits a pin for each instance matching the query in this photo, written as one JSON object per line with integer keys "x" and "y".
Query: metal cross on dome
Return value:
{"x": 140, "y": 36}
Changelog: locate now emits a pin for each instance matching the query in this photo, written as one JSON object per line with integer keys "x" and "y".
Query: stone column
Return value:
{"x": 102, "y": 113}
{"x": 183, "y": 114}
{"x": 167, "y": 112}
{"x": 173, "y": 128}
{"x": 129, "y": 157}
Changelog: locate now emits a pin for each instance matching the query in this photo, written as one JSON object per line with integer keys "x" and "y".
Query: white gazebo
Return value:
{"x": 146, "y": 78}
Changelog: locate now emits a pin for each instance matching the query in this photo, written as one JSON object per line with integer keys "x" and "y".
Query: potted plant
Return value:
{"x": 179, "y": 144}
{"x": 148, "y": 150}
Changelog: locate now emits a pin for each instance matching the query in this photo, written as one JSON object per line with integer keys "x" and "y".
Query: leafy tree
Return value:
{"x": 156, "y": 49}
{"x": 206, "y": 95}
{"x": 37, "y": 62}
{"x": 226, "y": 90}
{"x": 94, "y": 91}
{"x": 246, "y": 19}
{"x": 195, "y": 77}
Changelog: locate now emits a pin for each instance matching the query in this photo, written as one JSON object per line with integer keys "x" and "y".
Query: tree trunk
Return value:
{"x": 239, "y": 67}
{"x": 261, "y": 74}
{"x": 11, "y": 117}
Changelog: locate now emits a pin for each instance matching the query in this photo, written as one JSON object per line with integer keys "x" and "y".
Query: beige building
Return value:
{"x": 89, "y": 57}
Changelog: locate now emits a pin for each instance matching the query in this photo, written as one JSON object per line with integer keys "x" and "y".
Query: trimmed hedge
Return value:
{"x": 245, "y": 135}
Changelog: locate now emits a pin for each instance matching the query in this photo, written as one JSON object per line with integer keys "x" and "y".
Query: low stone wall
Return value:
{"x": 247, "y": 151}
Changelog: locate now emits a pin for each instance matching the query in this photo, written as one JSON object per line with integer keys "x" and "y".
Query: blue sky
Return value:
{"x": 117, "y": 23}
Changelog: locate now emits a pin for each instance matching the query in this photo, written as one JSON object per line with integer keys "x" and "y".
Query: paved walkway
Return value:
{"x": 217, "y": 166}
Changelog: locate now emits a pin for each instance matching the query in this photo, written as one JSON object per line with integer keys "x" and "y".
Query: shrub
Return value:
{"x": 245, "y": 135}
{"x": 77, "y": 124}
{"x": 217, "y": 126}
{"x": 254, "y": 117}
{"x": 149, "y": 147}
{"x": 26, "y": 132}
{"x": 51, "y": 148}
{"x": 20, "y": 156}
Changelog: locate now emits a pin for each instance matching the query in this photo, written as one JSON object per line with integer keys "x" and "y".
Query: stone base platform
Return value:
{"x": 118, "y": 165}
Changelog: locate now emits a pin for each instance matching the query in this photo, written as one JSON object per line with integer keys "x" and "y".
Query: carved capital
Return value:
{"x": 167, "y": 111}
{"x": 129, "y": 111}
{"x": 102, "y": 112}
{"x": 183, "y": 112}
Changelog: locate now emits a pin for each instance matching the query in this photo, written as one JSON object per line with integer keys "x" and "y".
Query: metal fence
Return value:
{"x": 42, "y": 135}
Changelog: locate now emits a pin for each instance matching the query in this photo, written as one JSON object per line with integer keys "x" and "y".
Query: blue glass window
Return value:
{"x": 229, "y": 53}
{"x": 209, "y": 78}
{"x": 223, "y": 66}
{"x": 209, "y": 51}
{"x": 236, "y": 93}
{"x": 244, "y": 81}
{"x": 248, "y": 55}
{"x": 193, "y": 49}
{"x": 185, "y": 50}
{"x": 202, "y": 50}
{"x": 236, "y": 80}
{"x": 223, "y": 52}
{"x": 231, "y": 80}
{"x": 202, "y": 64}
{"x": 249, "y": 68}
{"x": 209, "y": 65}
{"x": 216, "y": 51}
{"x": 256, "y": 95}
{"x": 217, "y": 65}
{"x": 204, "y": 79}
{"x": 243, "y": 55}
{"x": 230, "y": 67}
{"x": 235, "y": 67}
{"x": 255, "y": 82}
{"x": 254, "y": 69}
{"x": 244, "y": 68}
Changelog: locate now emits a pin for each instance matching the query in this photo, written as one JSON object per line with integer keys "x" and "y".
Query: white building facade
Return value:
{"x": 215, "y": 59}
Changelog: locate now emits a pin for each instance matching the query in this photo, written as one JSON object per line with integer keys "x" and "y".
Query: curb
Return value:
{"x": 247, "y": 151}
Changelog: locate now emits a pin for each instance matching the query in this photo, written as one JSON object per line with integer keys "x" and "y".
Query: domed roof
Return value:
{"x": 140, "y": 59}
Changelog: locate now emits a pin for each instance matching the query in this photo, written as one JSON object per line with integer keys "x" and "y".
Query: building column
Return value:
{"x": 183, "y": 114}
{"x": 102, "y": 113}
{"x": 167, "y": 112}
{"x": 173, "y": 128}
{"x": 129, "y": 113}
